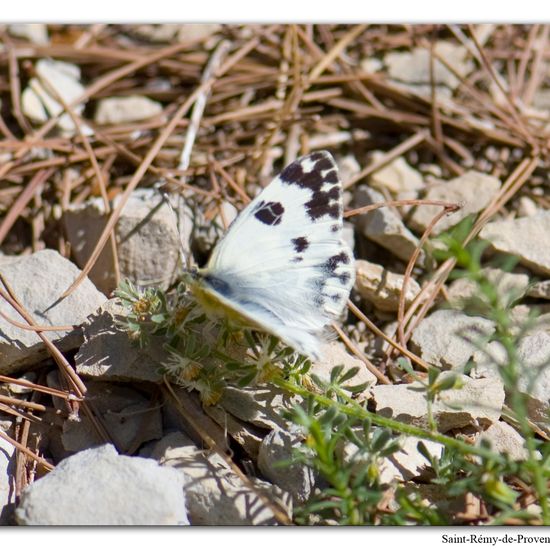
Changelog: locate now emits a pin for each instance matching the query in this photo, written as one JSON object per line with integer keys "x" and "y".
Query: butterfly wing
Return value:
{"x": 283, "y": 263}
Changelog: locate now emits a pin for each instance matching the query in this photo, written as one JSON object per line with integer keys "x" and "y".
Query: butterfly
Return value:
{"x": 283, "y": 266}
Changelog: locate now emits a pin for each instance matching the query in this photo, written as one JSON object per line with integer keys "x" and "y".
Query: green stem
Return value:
{"x": 350, "y": 408}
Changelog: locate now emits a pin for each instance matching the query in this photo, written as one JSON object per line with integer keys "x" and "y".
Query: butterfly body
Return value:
{"x": 283, "y": 266}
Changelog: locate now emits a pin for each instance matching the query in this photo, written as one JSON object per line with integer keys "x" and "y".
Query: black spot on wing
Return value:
{"x": 300, "y": 244}
{"x": 270, "y": 213}
{"x": 317, "y": 173}
{"x": 333, "y": 263}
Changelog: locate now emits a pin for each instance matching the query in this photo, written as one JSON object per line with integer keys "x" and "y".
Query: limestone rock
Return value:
{"x": 100, "y": 487}
{"x": 526, "y": 238}
{"x": 479, "y": 401}
{"x": 473, "y": 191}
{"x": 382, "y": 287}
{"x": 38, "y": 280}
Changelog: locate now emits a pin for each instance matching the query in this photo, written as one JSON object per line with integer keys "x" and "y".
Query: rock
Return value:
{"x": 371, "y": 65}
{"x": 182, "y": 33}
{"x": 100, "y": 487}
{"x": 122, "y": 110}
{"x": 297, "y": 479}
{"x": 403, "y": 465}
{"x": 37, "y": 33}
{"x": 504, "y": 439}
{"x": 38, "y": 281}
{"x": 447, "y": 338}
{"x": 129, "y": 417}
{"x": 39, "y": 104}
{"x": 473, "y": 191}
{"x": 384, "y": 227}
{"x": 478, "y": 401}
{"x": 412, "y": 68}
{"x": 527, "y": 207}
{"x": 215, "y": 495}
{"x": 381, "y": 287}
{"x": 526, "y": 238}
{"x": 108, "y": 354}
{"x": 398, "y": 177}
{"x": 7, "y": 481}
{"x": 335, "y": 354}
{"x": 510, "y": 287}
{"x": 197, "y": 31}
{"x": 148, "y": 244}
{"x": 260, "y": 406}
{"x": 540, "y": 290}
{"x": 348, "y": 167}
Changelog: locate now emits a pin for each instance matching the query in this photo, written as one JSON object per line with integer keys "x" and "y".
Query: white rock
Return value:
{"x": 296, "y": 479}
{"x": 215, "y": 495}
{"x": 382, "y": 287}
{"x": 447, "y": 338}
{"x": 473, "y": 191}
{"x": 504, "y": 439}
{"x": 38, "y": 281}
{"x": 526, "y": 238}
{"x": 196, "y": 31}
{"x": 527, "y": 207}
{"x": 403, "y": 465}
{"x": 38, "y": 103}
{"x": 335, "y": 354}
{"x": 398, "y": 177}
{"x": 148, "y": 244}
{"x": 121, "y": 110}
{"x": 371, "y": 65}
{"x": 7, "y": 481}
{"x": 478, "y": 402}
{"x": 100, "y": 487}
{"x": 37, "y": 33}
{"x": 384, "y": 227}
{"x": 413, "y": 67}
{"x": 509, "y": 286}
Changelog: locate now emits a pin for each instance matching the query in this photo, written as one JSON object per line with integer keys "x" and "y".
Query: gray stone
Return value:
{"x": 477, "y": 402}
{"x": 38, "y": 281}
{"x": 109, "y": 354}
{"x": 447, "y": 338}
{"x": 100, "y": 487}
{"x": 128, "y": 417}
{"x": 122, "y": 110}
{"x": 540, "y": 290}
{"x": 260, "y": 406}
{"x": 382, "y": 287}
{"x": 510, "y": 287}
{"x": 504, "y": 439}
{"x": 412, "y": 68}
{"x": 473, "y": 191}
{"x": 7, "y": 481}
{"x": 297, "y": 479}
{"x": 215, "y": 495}
{"x": 526, "y": 238}
{"x": 335, "y": 354}
{"x": 403, "y": 465}
{"x": 148, "y": 244}
{"x": 384, "y": 227}
{"x": 397, "y": 177}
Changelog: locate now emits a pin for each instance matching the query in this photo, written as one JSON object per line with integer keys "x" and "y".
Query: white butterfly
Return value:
{"x": 283, "y": 266}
